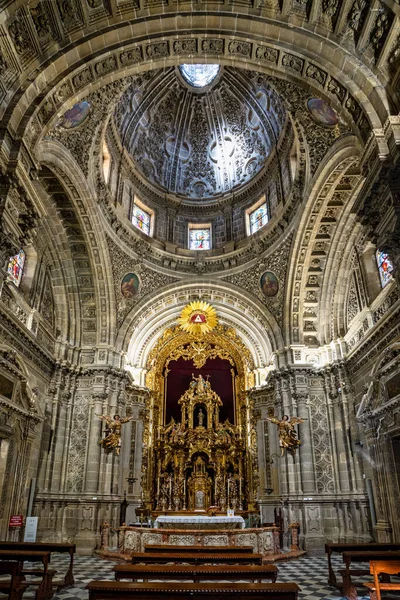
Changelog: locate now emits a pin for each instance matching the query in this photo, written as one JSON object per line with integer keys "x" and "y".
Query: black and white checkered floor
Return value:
{"x": 311, "y": 574}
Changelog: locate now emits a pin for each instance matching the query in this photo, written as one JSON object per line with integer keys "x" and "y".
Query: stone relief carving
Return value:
{"x": 249, "y": 279}
{"x": 216, "y": 540}
{"x": 79, "y": 141}
{"x": 20, "y": 34}
{"x": 246, "y": 540}
{"x": 132, "y": 541}
{"x": 182, "y": 540}
{"x": 379, "y": 31}
{"x": 319, "y": 138}
{"x": 151, "y": 538}
{"x": 322, "y": 447}
{"x": 121, "y": 264}
{"x": 77, "y": 444}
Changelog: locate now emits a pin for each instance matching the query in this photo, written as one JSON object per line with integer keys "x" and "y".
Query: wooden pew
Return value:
{"x": 201, "y": 549}
{"x": 116, "y": 590}
{"x": 196, "y": 558}
{"x": 45, "y": 586}
{"x": 349, "y": 588}
{"x": 47, "y": 547}
{"x": 196, "y": 573}
{"x": 389, "y": 567}
{"x": 332, "y": 547}
{"x": 11, "y": 587}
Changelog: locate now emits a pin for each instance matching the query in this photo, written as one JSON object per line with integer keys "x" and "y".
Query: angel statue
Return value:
{"x": 112, "y": 433}
{"x": 287, "y": 435}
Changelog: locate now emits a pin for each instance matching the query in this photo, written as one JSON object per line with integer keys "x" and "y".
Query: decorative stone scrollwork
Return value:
{"x": 212, "y": 46}
{"x": 131, "y": 56}
{"x": 184, "y": 46}
{"x": 242, "y": 48}
{"x": 157, "y": 50}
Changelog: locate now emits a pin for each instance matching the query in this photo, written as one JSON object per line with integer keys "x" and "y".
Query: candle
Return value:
{"x": 158, "y": 486}
{"x": 184, "y": 490}
{"x": 240, "y": 489}
{"x": 170, "y": 487}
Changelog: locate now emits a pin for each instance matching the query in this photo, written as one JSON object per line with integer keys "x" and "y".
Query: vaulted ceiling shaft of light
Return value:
{"x": 199, "y": 131}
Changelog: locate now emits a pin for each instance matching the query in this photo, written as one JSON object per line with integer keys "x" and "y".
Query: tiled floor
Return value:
{"x": 310, "y": 574}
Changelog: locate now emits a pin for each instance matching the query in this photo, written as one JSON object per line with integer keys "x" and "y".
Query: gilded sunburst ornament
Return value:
{"x": 198, "y": 317}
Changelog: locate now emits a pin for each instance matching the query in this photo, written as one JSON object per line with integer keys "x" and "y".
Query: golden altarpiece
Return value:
{"x": 197, "y": 462}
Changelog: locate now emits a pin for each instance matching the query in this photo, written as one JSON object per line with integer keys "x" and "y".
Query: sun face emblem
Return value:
{"x": 198, "y": 317}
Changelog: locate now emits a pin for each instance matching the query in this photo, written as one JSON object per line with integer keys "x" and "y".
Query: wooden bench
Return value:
{"x": 201, "y": 549}
{"x": 196, "y": 558}
{"x": 47, "y": 547}
{"x": 11, "y": 587}
{"x": 114, "y": 590}
{"x": 332, "y": 547}
{"x": 349, "y": 587}
{"x": 45, "y": 586}
{"x": 387, "y": 566}
{"x": 196, "y": 573}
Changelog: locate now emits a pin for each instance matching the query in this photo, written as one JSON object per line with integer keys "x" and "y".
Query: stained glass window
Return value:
{"x": 199, "y": 75}
{"x": 141, "y": 219}
{"x": 385, "y": 267}
{"x": 15, "y": 268}
{"x": 200, "y": 239}
{"x": 258, "y": 218}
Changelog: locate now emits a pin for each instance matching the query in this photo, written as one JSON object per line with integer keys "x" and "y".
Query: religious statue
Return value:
{"x": 112, "y": 433}
{"x": 199, "y": 385}
{"x": 287, "y": 435}
{"x": 201, "y": 418}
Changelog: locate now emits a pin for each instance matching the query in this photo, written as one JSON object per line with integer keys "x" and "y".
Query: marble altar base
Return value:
{"x": 198, "y": 522}
{"x": 264, "y": 540}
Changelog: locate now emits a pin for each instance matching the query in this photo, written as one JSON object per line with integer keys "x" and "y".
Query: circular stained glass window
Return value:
{"x": 199, "y": 75}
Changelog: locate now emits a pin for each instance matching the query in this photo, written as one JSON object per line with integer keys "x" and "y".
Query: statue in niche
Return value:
{"x": 112, "y": 433}
{"x": 287, "y": 435}
{"x": 200, "y": 417}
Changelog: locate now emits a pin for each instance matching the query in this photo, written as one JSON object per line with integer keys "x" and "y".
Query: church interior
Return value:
{"x": 200, "y": 270}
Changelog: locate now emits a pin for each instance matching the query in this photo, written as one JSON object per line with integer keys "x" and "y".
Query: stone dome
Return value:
{"x": 199, "y": 141}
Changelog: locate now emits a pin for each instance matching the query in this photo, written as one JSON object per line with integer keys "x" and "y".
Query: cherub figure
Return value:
{"x": 287, "y": 435}
{"x": 112, "y": 438}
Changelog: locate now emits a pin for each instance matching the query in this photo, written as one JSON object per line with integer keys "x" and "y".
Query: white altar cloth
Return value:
{"x": 198, "y": 522}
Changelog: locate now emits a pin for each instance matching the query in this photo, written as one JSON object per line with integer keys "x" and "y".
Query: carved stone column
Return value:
{"x": 94, "y": 448}
{"x": 305, "y": 451}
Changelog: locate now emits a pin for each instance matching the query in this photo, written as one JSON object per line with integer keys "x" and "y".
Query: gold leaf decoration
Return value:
{"x": 198, "y": 317}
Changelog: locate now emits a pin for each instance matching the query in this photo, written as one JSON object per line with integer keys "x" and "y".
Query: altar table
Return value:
{"x": 198, "y": 522}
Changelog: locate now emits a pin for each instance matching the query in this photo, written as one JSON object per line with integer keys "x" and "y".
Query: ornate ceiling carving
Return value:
{"x": 197, "y": 143}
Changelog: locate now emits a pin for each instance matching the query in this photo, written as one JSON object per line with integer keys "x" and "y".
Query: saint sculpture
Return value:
{"x": 287, "y": 435}
{"x": 112, "y": 438}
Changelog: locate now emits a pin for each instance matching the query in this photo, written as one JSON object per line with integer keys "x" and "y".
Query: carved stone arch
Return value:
{"x": 88, "y": 250}
{"x": 252, "y": 322}
{"x": 349, "y": 295}
{"x": 329, "y": 204}
{"x": 166, "y": 48}
{"x": 340, "y": 251}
